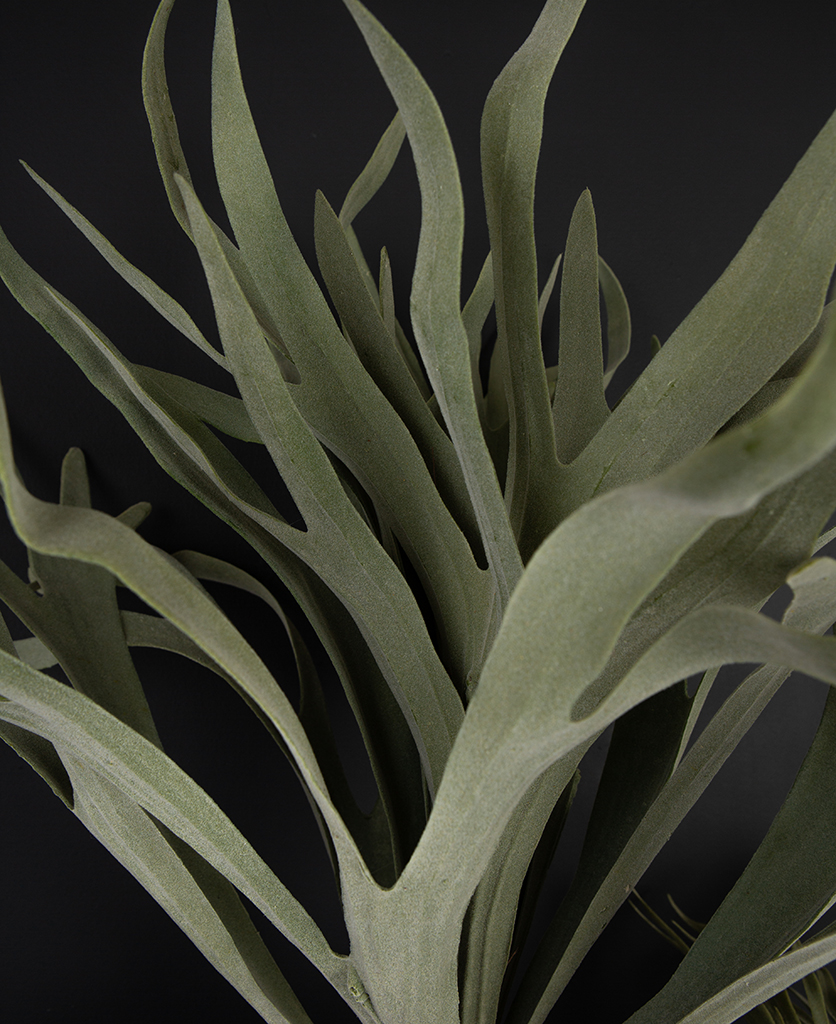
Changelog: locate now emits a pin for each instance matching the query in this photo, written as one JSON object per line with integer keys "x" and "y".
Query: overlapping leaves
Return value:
{"x": 497, "y": 576}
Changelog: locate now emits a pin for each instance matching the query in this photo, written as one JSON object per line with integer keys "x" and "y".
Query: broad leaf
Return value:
{"x": 532, "y": 706}
{"x": 593, "y": 901}
{"x": 745, "y": 328}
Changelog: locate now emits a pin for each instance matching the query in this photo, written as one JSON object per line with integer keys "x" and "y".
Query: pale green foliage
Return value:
{"x": 578, "y": 562}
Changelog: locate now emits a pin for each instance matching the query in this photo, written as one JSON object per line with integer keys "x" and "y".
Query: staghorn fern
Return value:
{"x": 407, "y": 500}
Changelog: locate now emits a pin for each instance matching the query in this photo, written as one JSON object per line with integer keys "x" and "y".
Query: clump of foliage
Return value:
{"x": 498, "y": 572}
{"x": 816, "y": 1004}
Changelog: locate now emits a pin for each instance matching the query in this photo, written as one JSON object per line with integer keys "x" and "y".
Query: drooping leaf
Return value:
{"x": 141, "y": 771}
{"x": 101, "y": 542}
{"x": 370, "y": 832}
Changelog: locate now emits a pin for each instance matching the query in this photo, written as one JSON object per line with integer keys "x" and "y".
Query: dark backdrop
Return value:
{"x": 683, "y": 118}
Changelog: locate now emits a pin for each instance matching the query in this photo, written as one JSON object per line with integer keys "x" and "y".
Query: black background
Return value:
{"x": 684, "y": 120}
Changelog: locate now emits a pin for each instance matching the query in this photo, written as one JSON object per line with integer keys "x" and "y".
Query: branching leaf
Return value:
{"x": 760, "y": 310}
{"x": 336, "y": 538}
{"x": 435, "y": 301}
{"x": 574, "y": 600}
{"x": 512, "y": 126}
{"x": 587, "y": 909}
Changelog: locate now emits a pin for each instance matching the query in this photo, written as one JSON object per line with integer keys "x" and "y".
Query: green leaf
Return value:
{"x": 267, "y": 249}
{"x": 435, "y": 301}
{"x": 39, "y": 705}
{"x": 750, "y": 322}
{"x": 35, "y": 653}
{"x": 88, "y": 536}
{"x": 372, "y": 836}
{"x": 224, "y": 412}
{"x": 815, "y": 999}
{"x": 535, "y": 881}
{"x": 492, "y": 914}
{"x": 78, "y": 619}
{"x": 41, "y": 755}
{"x": 178, "y": 440}
{"x": 618, "y": 319}
{"x": 387, "y": 309}
{"x": 337, "y": 541}
{"x": 192, "y": 454}
{"x": 744, "y": 560}
{"x": 161, "y": 301}
{"x": 474, "y": 315}
{"x": 783, "y": 889}
{"x": 741, "y": 560}
{"x": 164, "y": 133}
{"x": 148, "y": 777}
{"x": 571, "y": 605}
{"x": 590, "y": 906}
{"x": 336, "y": 397}
{"x": 71, "y": 609}
{"x": 172, "y": 162}
{"x": 143, "y": 630}
{"x": 512, "y": 127}
{"x": 643, "y": 751}
{"x": 375, "y": 173}
{"x": 547, "y": 290}
{"x": 761, "y": 984}
{"x": 579, "y": 406}
{"x": 374, "y": 344}
{"x": 362, "y": 191}
{"x": 192, "y": 893}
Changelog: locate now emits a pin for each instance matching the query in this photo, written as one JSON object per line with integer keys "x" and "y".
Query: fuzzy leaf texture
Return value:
{"x": 499, "y": 561}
